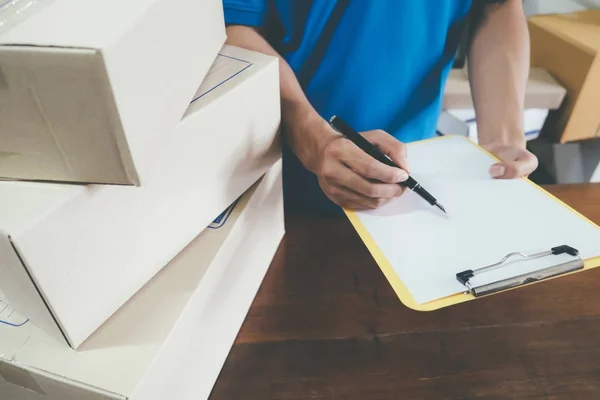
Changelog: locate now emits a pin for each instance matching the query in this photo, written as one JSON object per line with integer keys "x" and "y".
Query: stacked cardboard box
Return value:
{"x": 170, "y": 340}
{"x": 120, "y": 144}
{"x": 98, "y": 244}
{"x": 568, "y": 46}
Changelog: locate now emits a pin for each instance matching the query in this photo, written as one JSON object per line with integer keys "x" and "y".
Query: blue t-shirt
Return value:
{"x": 382, "y": 65}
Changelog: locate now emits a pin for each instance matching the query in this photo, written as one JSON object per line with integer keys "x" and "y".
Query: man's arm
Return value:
{"x": 498, "y": 71}
{"x": 307, "y": 132}
{"x": 347, "y": 175}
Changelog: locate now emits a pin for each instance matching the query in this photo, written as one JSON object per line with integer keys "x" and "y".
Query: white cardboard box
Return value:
{"x": 171, "y": 339}
{"x": 90, "y": 89}
{"x": 71, "y": 255}
{"x": 462, "y": 122}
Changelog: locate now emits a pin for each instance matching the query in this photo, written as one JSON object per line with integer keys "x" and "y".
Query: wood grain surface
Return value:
{"x": 327, "y": 325}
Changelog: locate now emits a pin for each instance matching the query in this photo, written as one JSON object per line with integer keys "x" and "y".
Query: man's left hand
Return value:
{"x": 515, "y": 161}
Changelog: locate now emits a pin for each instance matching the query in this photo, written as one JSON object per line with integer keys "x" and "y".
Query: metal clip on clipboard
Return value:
{"x": 576, "y": 264}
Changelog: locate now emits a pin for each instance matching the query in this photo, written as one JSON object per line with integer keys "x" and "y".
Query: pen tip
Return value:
{"x": 438, "y": 205}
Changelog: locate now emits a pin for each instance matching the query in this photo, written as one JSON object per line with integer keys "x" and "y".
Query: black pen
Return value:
{"x": 338, "y": 124}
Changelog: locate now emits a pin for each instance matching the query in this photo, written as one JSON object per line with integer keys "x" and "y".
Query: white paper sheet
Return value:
{"x": 487, "y": 219}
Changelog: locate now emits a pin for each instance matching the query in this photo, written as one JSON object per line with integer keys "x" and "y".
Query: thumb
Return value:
{"x": 504, "y": 170}
{"x": 516, "y": 165}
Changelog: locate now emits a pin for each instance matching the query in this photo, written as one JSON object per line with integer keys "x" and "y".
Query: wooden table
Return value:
{"x": 327, "y": 325}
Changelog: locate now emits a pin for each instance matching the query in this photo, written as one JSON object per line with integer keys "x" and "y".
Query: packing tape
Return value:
{"x": 12, "y": 12}
{"x": 13, "y": 373}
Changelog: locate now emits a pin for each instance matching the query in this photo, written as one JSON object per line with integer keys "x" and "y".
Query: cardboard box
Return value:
{"x": 543, "y": 91}
{"x": 71, "y": 255}
{"x": 89, "y": 90}
{"x": 171, "y": 339}
{"x": 463, "y": 122}
{"x": 568, "y": 46}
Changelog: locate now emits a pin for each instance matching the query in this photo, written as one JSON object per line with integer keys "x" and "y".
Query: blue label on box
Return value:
{"x": 223, "y": 217}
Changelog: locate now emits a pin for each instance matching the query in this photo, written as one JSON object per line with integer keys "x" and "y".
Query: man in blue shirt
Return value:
{"x": 382, "y": 65}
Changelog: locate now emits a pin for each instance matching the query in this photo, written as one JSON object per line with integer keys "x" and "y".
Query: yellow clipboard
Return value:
{"x": 400, "y": 288}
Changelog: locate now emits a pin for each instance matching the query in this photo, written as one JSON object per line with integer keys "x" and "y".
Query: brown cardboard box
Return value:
{"x": 568, "y": 46}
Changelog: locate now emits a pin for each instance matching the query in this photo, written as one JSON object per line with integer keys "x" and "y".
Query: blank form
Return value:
{"x": 487, "y": 220}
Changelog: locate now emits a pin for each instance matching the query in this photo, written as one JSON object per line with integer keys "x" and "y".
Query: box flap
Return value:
{"x": 76, "y": 23}
{"x": 57, "y": 119}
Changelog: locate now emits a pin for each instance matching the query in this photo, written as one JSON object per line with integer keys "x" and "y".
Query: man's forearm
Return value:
{"x": 498, "y": 72}
{"x": 297, "y": 112}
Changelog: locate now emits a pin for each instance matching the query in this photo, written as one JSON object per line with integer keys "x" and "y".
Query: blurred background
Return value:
{"x": 533, "y": 7}
{"x": 562, "y": 118}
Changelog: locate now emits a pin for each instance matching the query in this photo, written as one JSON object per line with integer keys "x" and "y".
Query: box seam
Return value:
{"x": 39, "y": 292}
{"x": 64, "y": 379}
{"x": 118, "y": 131}
{"x": 39, "y": 46}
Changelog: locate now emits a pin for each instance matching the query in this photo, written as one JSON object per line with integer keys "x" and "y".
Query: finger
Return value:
{"x": 348, "y": 198}
{"x": 390, "y": 146}
{"x": 367, "y": 166}
{"x": 344, "y": 197}
{"x": 521, "y": 164}
{"x": 335, "y": 172}
{"x": 346, "y": 177}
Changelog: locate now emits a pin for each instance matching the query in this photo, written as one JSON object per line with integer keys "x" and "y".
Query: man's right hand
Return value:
{"x": 347, "y": 175}
{"x": 350, "y": 177}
